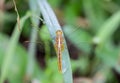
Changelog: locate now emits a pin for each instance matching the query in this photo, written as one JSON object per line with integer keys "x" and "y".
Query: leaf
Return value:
{"x": 32, "y": 46}
{"x": 11, "y": 49}
{"x": 18, "y": 64}
{"x": 53, "y": 25}
{"x": 107, "y": 29}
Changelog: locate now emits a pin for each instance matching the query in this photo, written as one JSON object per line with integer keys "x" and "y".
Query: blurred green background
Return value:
{"x": 92, "y": 32}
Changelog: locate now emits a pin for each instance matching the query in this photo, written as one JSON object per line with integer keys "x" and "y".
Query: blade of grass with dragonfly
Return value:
{"x": 53, "y": 26}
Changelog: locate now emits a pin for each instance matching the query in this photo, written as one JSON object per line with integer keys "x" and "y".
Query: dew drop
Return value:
{"x": 64, "y": 67}
{"x": 64, "y": 70}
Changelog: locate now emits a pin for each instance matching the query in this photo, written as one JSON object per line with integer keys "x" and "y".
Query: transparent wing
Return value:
{"x": 43, "y": 37}
{"x": 79, "y": 37}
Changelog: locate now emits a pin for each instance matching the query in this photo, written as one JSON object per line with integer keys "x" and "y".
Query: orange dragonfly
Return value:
{"x": 59, "y": 45}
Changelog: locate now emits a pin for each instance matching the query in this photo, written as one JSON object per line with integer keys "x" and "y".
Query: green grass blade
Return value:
{"x": 53, "y": 26}
{"x": 11, "y": 49}
{"x": 33, "y": 37}
{"x": 108, "y": 28}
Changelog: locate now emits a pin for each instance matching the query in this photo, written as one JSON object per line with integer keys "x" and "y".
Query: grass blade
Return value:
{"x": 53, "y": 26}
{"x": 18, "y": 17}
{"x": 11, "y": 49}
{"x": 108, "y": 28}
{"x": 33, "y": 37}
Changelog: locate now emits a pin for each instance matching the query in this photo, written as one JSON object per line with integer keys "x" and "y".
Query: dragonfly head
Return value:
{"x": 58, "y": 32}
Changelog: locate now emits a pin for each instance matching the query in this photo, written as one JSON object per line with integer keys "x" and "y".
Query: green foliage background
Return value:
{"x": 92, "y": 30}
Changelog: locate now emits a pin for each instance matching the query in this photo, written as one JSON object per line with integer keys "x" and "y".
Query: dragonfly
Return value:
{"x": 59, "y": 46}
{"x": 59, "y": 42}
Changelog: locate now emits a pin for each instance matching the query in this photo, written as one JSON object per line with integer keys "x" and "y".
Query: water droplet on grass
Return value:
{"x": 64, "y": 67}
